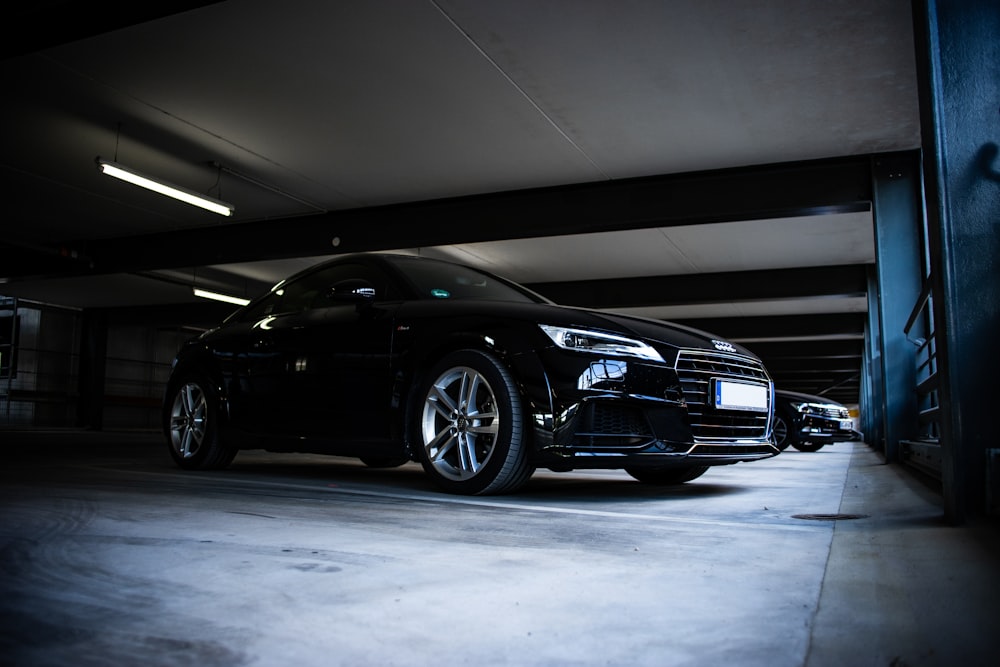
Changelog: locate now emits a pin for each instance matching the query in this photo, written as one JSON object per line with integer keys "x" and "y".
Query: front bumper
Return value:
{"x": 617, "y": 413}
{"x": 817, "y": 428}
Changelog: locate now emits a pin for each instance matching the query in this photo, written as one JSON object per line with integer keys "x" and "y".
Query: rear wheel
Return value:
{"x": 667, "y": 476}
{"x": 193, "y": 427}
{"x": 469, "y": 426}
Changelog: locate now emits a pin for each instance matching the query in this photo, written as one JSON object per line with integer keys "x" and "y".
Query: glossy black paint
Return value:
{"x": 813, "y": 426}
{"x": 340, "y": 378}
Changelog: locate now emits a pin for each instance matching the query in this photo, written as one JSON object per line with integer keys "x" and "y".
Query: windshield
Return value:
{"x": 442, "y": 280}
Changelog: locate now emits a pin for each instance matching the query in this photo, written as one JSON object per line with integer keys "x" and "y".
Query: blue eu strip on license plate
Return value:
{"x": 740, "y": 396}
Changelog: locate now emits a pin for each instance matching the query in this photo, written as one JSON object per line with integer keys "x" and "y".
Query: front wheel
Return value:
{"x": 808, "y": 446}
{"x": 469, "y": 426}
{"x": 667, "y": 476}
{"x": 782, "y": 436}
{"x": 192, "y": 426}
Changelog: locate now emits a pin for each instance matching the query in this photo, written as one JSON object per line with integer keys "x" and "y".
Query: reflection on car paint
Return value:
{"x": 603, "y": 374}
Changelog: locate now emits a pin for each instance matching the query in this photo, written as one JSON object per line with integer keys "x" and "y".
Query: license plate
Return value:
{"x": 740, "y": 396}
{"x": 846, "y": 424}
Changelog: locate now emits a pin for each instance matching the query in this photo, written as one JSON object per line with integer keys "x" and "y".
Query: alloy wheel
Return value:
{"x": 780, "y": 432}
{"x": 460, "y": 423}
{"x": 188, "y": 420}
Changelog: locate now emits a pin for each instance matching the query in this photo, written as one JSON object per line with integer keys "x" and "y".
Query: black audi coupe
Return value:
{"x": 392, "y": 358}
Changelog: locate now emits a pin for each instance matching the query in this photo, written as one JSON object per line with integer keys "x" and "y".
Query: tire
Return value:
{"x": 807, "y": 446}
{"x": 667, "y": 476}
{"x": 384, "y": 461}
{"x": 192, "y": 427}
{"x": 469, "y": 429}
{"x": 782, "y": 437}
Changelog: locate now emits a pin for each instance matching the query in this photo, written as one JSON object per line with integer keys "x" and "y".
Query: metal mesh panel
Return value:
{"x": 696, "y": 370}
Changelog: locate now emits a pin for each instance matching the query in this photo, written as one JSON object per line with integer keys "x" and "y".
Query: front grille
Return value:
{"x": 613, "y": 425}
{"x": 696, "y": 369}
{"x": 618, "y": 420}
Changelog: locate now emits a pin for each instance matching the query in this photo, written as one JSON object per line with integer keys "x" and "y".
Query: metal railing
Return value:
{"x": 39, "y": 383}
{"x": 37, "y": 396}
{"x": 924, "y": 451}
{"x": 8, "y": 308}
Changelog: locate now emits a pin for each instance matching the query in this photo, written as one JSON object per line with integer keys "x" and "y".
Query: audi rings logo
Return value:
{"x": 723, "y": 346}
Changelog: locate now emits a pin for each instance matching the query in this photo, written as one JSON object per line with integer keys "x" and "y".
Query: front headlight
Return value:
{"x": 598, "y": 342}
{"x": 815, "y": 408}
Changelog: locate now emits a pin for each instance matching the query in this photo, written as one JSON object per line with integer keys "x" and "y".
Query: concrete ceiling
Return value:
{"x": 301, "y": 109}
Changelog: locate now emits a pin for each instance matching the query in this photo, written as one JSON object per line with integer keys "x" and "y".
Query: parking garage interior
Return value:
{"x": 817, "y": 182}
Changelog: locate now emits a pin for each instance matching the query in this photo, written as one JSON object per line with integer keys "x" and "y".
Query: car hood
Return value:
{"x": 654, "y": 331}
{"x": 662, "y": 331}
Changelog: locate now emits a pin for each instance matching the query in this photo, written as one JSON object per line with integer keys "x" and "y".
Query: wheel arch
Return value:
{"x": 196, "y": 362}
{"x": 522, "y": 363}
{"x": 479, "y": 442}
{"x": 793, "y": 423}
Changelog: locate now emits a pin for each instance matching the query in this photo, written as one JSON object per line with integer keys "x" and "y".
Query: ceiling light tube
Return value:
{"x": 215, "y": 296}
{"x": 177, "y": 192}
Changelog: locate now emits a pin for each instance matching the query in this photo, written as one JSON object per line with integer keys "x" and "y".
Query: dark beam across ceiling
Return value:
{"x": 33, "y": 26}
{"x": 793, "y": 351}
{"x": 831, "y": 368}
{"x": 794, "y": 327}
{"x": 703, "y": 288}
{"x": 837, "y": 185}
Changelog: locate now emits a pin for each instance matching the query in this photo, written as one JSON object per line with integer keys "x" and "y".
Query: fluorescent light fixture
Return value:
{"x": 175, "y": 191}
{"x": 205, "y": 294}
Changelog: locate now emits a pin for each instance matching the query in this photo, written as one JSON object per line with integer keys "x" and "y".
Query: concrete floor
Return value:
{"x": 111, "y": 556}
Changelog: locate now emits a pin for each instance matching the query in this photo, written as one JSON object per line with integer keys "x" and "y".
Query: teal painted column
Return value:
{"x": 958, "y": 57}
{"x": 898, "y": 215}
{"x": 872, "y": 405}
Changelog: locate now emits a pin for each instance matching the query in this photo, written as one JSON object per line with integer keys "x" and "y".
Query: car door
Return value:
{"x": 321, "y": 367}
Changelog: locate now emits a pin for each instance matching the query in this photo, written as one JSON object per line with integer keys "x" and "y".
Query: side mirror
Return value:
{"x": 352, "y": 290}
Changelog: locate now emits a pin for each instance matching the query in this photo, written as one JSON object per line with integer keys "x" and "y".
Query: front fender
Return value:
{"x": 196, "y": 362}
{"x": 415, "y": 353}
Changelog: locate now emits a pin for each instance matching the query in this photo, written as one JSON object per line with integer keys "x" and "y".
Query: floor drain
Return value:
{"x": 829, "y": 517}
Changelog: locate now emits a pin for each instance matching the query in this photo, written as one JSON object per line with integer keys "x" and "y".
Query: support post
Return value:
{"x": 872, "y": 403}
{"x": 93, "y": 360}
{"x": 958, "y": 64}
{"x": 898, "y": 216}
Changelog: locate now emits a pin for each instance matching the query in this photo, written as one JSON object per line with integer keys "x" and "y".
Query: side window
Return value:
{"x": 260, "y": 310}
{"x": 312, "y": 291}
{"x": 302, "y": 294}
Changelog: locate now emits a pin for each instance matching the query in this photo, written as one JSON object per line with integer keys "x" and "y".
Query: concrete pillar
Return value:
{"x": 899, "y": 272}
{"x": 958, "y": 58}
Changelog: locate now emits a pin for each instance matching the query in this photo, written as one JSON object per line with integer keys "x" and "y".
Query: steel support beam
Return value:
{"x": 35, "y": 26}
{"x": 749, "y": 330}
{"x": 798, "y": 351}
{"x": 958, "y": 62}
{"x": 870, "y": 395}
{"x": 773, "y": 191}
{"x": 899, "y": 273}
{"x": 727, "y": 287}
{"x": 93, "y": 362}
